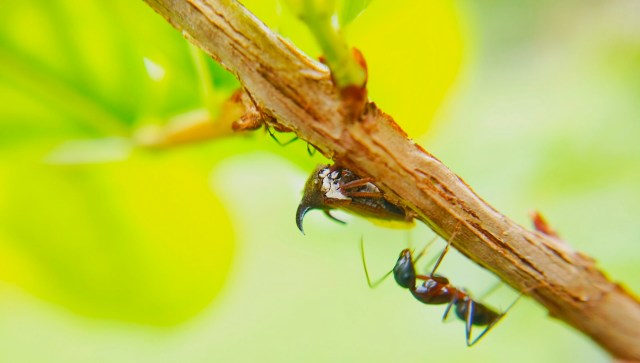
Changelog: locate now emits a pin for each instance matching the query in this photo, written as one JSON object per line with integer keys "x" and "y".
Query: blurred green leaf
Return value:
{"x": 104, "y": 239}
{"x": 414, "y": 52}
{"x": 350, "y": 9}
{"x": 312, "y": 8}
{"x": 98, "y": 78}
{"x": 143, "y": 240}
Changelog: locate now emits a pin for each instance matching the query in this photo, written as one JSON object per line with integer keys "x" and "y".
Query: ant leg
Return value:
{"x": 328, "y": 214}
{"x": 468, "y": 328}
{"x": 511, "y": 305}
{"x": 489, "y": 291}
{"x": 425, "y": 248}
{"x": 433, "y": 261}
{"x": 273, "y": 136}
{"x": 493, "y": 323}
{"x": 453, "y": 301}
{"x": 366, "y": 271}
{"x": 444, "y": 252}
{"x": 485, "y": 331}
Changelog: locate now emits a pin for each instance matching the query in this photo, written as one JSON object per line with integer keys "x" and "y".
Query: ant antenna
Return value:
{"x": 448, "y": 309}
{"x": 425, "y": 248}
{"x": 469, "y": 324}
{"x": 444, "y": 252}
{"x": 409, "y": 233}
{"x": 366, "y": 271}
{"x": 490, "y": 290}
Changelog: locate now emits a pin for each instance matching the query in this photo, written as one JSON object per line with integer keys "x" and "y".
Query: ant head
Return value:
{"x": 404, "y": 271}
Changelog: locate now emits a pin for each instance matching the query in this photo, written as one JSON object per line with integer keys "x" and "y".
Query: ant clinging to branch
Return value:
{"x": 437, "y": 290}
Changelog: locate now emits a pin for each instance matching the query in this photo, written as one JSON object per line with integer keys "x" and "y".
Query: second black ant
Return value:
{"x": 437, "y": 290}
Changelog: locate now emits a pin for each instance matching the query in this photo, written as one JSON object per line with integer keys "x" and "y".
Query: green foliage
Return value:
{"x": 350, "y": 9}
{"x": 88, "y": 221}
{"x": 143, "y": 239}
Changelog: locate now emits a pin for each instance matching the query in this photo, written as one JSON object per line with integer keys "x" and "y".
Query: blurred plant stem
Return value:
{"x": 318, "y": 15}
{"x": 206, "y": 81}
{"x": 193, "y": 126}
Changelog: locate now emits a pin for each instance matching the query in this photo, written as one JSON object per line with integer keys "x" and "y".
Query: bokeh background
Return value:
{"x": 113, "y": 252}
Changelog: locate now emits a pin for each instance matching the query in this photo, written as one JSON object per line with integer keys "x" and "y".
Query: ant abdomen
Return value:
{"x": 481, "y": 315}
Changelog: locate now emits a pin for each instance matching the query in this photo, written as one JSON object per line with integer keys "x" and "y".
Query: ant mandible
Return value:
{"x": 437, "y": 290}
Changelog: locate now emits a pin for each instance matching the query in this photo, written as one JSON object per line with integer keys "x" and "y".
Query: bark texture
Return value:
{"x": 299, "y": 94}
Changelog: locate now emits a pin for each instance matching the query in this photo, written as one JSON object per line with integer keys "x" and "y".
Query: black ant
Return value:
{"x": 331, "y": 187}
{"x": 437, "y": 290}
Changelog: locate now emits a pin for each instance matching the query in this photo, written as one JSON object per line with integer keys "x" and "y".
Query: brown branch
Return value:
{"x": 299, "y": 93}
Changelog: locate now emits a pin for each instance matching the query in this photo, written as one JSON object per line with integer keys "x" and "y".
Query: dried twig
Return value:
{"x": 299, "y": 93}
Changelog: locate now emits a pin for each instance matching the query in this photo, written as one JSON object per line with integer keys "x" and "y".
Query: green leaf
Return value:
{"x": 144, "y": 240}
{"x": 349, "y": 10}
{"x": 414, "y": 52}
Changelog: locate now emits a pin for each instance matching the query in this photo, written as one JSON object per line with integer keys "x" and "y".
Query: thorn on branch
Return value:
{"x": 540, "y": 224}
{"x": 354, "y": 97}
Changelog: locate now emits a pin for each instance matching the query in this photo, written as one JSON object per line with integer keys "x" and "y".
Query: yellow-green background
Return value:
{"x": 111, "y": 253}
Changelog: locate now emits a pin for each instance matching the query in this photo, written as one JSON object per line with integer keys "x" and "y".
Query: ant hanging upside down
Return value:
{"x": 437, "y": 290}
